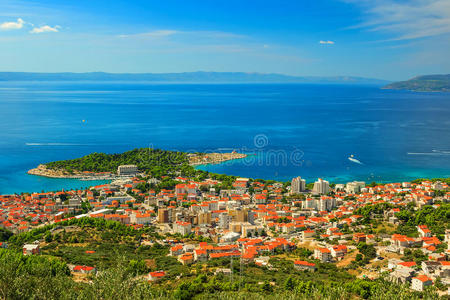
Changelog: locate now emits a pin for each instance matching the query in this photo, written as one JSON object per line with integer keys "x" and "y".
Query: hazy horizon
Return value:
{"x": 392, "y": 40}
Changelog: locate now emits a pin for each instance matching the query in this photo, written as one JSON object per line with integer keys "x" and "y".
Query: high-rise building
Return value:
{"x": 163, "y": 215}
{"x": 204, "y": 218}
{"x": 298, "y": 185}
{"x": 224, "y": 220}
{"x": 321, "y": 186}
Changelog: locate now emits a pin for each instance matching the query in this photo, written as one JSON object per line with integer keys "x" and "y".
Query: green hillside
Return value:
{"x": 426, "y": 83}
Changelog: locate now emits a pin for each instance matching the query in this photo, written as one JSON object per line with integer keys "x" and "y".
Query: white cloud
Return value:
{"x": 12, "y": 25}
{"x": 406, "y": 19}
{"x": 326, "y": 42}
{"x": 44, "y": 28}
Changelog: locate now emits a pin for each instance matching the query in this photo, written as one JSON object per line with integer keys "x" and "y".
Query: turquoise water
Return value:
{"x": 289, "y": 130}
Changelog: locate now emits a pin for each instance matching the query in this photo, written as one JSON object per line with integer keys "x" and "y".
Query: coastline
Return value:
{"x": 42, "y": 170}
{"x": 214, "y": 158}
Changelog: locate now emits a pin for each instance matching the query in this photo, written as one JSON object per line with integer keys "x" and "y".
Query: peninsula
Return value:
{"x": 97, "y": 166}
{"x": 427, "y": 83}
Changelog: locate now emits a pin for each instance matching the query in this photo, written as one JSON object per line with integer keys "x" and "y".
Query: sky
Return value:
{"x": 385, "y": 39}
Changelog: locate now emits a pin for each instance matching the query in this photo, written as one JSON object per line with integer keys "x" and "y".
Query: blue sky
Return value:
{"x": 389, "y": 39}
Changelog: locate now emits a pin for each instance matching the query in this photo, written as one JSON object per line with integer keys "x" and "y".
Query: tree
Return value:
{"x": 289, "y": 284}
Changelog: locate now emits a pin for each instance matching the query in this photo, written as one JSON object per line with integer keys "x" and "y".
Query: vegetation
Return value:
{"x": 437, "y": 219}
{"x": 155, "y": 161}
{"x": 5, "y": 234}
{"x": 116, "y": 251}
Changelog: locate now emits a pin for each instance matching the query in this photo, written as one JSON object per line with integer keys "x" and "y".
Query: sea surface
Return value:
{"x": 287, "y": 129}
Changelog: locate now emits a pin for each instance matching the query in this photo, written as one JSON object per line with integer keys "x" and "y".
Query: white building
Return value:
{"x": 322, "y": 254}
{"x": 30, "y": 249}
{"x": 420, "y": 282}
{"x": 298, "y": 185}
{"x": 182, "y": 228}
{"x": 127, "y": 170}
{"x": 321, "y": 186}
{"x": 355, "y": 187}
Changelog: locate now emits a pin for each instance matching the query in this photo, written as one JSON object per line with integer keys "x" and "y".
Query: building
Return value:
{"x": 224, "y": 220}
{"x": 418, "y": 283}
{"x": 338, "y": 251}
{"x": 354, "y": 187}
{"x": 304, "y": 265}
{"x": 163, "y": 215}
{"x": 84, "y": 269}
{"x": 321, "y": 186}
{"x": 182, "y": 228}
{"x": 186, "y": 258}
{"x": 298, "y": 185}
{"x": 308, "y": 234}
{"x": 127, "y": 170}
{"x": 31, "y": 249}
{"x": 322, "y": 254}
{"x": 204, "y": 218}
{"x": 424, "y": 231}
{"x": 154, "y": 276}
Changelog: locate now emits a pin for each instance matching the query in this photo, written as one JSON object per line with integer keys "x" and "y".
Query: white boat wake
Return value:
{"x": 353, "y": 159}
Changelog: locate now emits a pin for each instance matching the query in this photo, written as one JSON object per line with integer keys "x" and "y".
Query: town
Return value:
{"x": 357, "y": 226}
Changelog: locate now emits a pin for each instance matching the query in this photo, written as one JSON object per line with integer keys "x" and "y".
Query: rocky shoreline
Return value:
{"x": 42, "y": 170}
{"x": 214, "y": 158}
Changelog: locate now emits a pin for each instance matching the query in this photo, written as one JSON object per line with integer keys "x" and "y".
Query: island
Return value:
{"x": 426, "y": 83}
{"x": 102, "y": 166}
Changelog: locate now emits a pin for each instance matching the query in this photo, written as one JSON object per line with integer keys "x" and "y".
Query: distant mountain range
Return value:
{"x": 189, "y": 77}
{"x": 426, "y": 83}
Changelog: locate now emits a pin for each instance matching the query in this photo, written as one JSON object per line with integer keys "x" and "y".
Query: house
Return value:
{"x": 176, "y": 250}
{"x": 186, "y": 258}
{"x": 431, "y": 267}
{"x": 182, "y": 228}
{"x": 31, "y": 249}
{"x": 157, "y": 275}
{"x": 338, "y": 251}
{"x": 200, "y": 255}
{"x": 401, "y": 275}
{"x": 224, "y": 271}
{"x": 418, "y": 283}
{"x": 424, "y": 231}
{"x": 304, "y": 265}
{"x": 359, "y": 237}
{"x": 307, "y": 234}
{"x": 84, "y": 269}
{"x": 393, "y": 263}
{"x": 322, "y": 254}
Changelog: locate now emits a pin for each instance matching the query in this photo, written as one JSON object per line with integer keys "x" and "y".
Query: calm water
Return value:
{"x": 290, "y": 130}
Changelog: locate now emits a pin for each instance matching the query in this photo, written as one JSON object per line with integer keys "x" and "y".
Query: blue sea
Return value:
{"x": 287, "y": 129}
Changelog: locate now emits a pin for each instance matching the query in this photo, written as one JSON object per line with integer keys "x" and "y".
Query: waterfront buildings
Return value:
{"x": 298, "y": 185}
{"x": 321, "y": 187}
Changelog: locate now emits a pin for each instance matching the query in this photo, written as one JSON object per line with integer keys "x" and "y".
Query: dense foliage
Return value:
{"x": 147, "y": 159}
{"x": 122, "y": 261}
{"x": 5, "y": 234}
{"x": 437, "y": 219}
